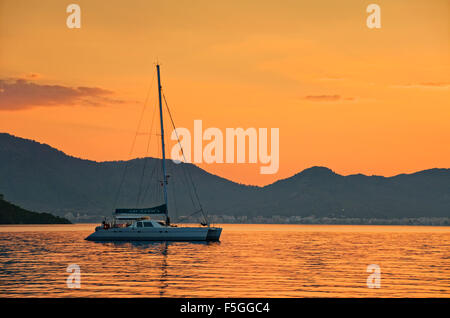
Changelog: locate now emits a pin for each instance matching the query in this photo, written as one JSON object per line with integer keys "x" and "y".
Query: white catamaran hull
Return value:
{"x": 156, "y": 234}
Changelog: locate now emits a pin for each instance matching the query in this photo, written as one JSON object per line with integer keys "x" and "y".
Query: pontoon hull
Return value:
{"x": 214, "y": 233}
{"x": 157, "y": 234}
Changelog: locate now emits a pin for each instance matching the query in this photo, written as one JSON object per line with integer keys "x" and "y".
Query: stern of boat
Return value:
{"x": 213, "y": 234}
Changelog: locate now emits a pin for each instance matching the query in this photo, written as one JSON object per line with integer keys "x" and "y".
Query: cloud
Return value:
{"x": 31, "y": 76}
{"x": 428, "y": 85}
{"x": 329, "y": 98}
{"x": 331, "y": 78}
{"x": 435, "y": 84}
{"x": 323, "y": 98}
{"x": 21, "y": 93}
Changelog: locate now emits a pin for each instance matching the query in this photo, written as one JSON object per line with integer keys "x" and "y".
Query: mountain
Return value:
{"x": 12, "y": 214}
{"x": 40, "y": 177}
{"x": 43, "y": 178}
{"x": 325, "y": 193}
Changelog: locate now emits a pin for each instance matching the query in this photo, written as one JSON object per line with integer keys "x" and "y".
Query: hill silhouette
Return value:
{"x": 13, "y": 214}
{"x": 40, "y": 177}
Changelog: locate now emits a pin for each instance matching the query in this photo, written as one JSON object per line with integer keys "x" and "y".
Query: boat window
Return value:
{"x": 148, "y": 224}
{"x": 139, "y": 224}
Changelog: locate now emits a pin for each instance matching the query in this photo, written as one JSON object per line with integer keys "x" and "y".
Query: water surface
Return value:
{"x": 250, "y": 261}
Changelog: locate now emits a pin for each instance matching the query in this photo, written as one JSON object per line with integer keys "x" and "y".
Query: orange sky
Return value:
{"x": 357, "y": 100}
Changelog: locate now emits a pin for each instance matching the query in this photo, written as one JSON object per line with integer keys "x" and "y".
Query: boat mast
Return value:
{"x": 162, "y": 144}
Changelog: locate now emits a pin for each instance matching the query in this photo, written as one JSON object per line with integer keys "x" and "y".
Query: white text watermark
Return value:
{"x": 218, "y": 150}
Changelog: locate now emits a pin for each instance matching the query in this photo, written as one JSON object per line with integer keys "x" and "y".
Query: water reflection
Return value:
{"x": 250, "y": 261}
{"x": 164, "y": 283}
{"x": 144, "y": 244}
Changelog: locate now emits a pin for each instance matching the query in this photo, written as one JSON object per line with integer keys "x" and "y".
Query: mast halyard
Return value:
{"x": 163, "y": 146}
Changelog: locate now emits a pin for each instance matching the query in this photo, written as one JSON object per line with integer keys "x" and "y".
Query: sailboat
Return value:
{"x": 137, "y": 224}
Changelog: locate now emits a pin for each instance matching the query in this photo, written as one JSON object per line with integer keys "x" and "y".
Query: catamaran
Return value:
{"x": 137, "y": 224}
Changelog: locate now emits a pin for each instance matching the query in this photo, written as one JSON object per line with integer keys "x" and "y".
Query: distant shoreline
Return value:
{"x": 394, "y": 222}
{"x": 425, "y": 221}
{"x": 220, "y": 224}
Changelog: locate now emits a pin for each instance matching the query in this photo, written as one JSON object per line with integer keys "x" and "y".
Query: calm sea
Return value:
{"x": 250, "y": 261}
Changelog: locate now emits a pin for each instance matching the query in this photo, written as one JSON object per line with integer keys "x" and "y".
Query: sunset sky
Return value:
{"x": 354, "y": 99}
